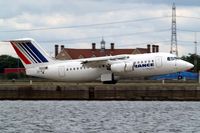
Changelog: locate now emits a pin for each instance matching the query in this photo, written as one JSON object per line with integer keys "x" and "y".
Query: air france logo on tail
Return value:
{"x": 28, "y": 53}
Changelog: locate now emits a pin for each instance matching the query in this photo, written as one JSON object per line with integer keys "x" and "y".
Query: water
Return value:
{"x": 99, "y": 117}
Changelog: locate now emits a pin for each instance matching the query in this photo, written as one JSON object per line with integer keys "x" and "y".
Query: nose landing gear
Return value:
{"x": 179, "y": 76}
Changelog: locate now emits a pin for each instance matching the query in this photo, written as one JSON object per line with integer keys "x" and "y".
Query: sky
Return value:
{"x": 78, "y": 23}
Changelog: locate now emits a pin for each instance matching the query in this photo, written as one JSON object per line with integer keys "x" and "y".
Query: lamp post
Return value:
{"x": 195, "y": 55}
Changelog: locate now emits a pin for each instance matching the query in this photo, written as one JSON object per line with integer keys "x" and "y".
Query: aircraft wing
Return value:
{"x": 97, "y": 61}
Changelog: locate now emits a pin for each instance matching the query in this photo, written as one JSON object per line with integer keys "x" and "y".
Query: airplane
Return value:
{"x": 107, "y": 69}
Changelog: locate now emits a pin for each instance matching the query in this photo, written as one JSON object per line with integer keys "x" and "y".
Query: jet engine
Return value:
{"x": 122, "y": 67}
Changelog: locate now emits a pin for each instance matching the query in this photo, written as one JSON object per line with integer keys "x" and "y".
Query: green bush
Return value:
{"x": 22, "y": 75}
{"x": 12, "y": 76}
{"x": 1, "y": 75}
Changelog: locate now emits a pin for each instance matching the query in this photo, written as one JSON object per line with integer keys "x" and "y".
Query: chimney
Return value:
{"x": 93, "y": 46}
{"x": 62, "y": 47}
{"x": 153, "y": 48}
{"x": 148, "y": 48}
{"x": 157, "y": 48}
{"x": 56, "y": 50}
{"x": 112, "y": 46}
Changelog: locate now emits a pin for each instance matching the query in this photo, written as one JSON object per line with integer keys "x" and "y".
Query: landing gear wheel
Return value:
{"x": 180, "y": 77}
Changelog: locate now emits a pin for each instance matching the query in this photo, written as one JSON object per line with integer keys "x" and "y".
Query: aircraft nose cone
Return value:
{"x": 189, "y": 65}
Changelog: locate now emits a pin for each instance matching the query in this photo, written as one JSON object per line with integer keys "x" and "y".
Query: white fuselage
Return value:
{"x": 132, "y": 66}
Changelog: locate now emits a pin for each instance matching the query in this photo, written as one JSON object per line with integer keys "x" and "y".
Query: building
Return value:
{"x": 14, "y": 70}
{"x": 72, "y": 53}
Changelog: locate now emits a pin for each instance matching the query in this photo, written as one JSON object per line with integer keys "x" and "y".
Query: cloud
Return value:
{"x": 61, "y": 13}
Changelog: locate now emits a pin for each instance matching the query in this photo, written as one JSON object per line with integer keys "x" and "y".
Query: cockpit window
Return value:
{"x": 172, "y": 58}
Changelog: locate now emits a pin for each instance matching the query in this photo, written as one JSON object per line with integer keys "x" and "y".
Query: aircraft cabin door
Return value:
{"x": 61, "y": 71}
{"x": 158, "y": 61}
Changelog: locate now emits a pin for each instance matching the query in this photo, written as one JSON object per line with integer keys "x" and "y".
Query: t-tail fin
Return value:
{"x": 30, "y": 53}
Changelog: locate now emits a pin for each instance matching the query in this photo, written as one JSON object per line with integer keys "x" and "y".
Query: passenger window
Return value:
{"x": 74, "y": 68}
{"x": 70, "y": 69}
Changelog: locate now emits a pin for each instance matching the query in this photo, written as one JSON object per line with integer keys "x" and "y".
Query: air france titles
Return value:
{"x": 145, "y": 65}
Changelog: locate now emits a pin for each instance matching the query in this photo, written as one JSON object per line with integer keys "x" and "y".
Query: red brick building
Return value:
{"x": 72, "y": 53}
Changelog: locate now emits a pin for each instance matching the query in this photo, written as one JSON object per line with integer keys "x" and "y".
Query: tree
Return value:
{"x": 190, "y": 58}
{"x": 7, "y": 61}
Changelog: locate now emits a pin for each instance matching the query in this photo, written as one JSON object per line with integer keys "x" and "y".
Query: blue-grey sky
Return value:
{"x": 32, "y": 14}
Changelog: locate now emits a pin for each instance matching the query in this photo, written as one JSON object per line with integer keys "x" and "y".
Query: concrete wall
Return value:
{"x": 180, "y": 92}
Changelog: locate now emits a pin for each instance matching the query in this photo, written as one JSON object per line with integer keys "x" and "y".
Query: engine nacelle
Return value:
{"x": 122, "y": 67}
